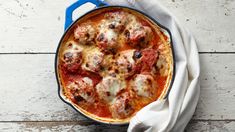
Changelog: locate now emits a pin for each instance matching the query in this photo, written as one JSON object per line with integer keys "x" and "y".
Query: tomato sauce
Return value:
{"x": 146, "y": 63}
{"x": 161, "y": 81}
{"x": 99, "y": 109}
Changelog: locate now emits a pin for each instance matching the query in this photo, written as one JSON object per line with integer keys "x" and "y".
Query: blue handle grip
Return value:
{"x": 70, "y": 9}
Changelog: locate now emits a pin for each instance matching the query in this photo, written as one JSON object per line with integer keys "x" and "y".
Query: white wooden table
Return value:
{"x": 29, "y": 34}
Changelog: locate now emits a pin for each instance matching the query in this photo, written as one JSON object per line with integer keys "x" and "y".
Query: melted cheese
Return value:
{"x": 163, "y": 62}
{"x": 121, "y": 106}
{"x": 89, "y": 84}
{"x": 92, "y": 60}
{"x": 72, "y": 46}
{"x": 85, "y": 33}
{"x": 110, "y": 35}
{"x": 88, "y": 81}
{"x": 72, "y": 56}
{"x": 128, "y": 55}
{"x": 107, "y": 39}
{"x": 144, "y": 85}
{"x": 109, "y": 87}
{"x": 138, "y": 34}
{"x": 125, "y": 62}
{"x": 84, "y": 88}
{"x": 107, "y": 64}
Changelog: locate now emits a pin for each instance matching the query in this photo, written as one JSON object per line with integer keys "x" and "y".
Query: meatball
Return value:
{"x": 85, "y": 33}
{"x": 109, "y": 87}
{"x": 144, "y": 85}
{"x": 145, "y": 60}
{"x": 121, "y": 107}
{"x": 83, "y": 90}
{"x": 72, "y": 56}
{"x": 107, "y": 40}
{"x": 93, "y": 60}
{"x": 117, "y": 20}
{"x": 137, "y": 34}
{"x": 163, "y": 65}
{"x": 125, "y": 63}
{"x": 106, "y": 64}
{"x": 164, "y": 61}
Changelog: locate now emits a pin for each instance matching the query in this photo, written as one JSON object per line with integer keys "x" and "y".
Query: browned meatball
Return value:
{"x": 82, "y": 90}
{"x": 93, "y": 60}
{"x": 121, "y": 106}
{"x": 125, "y": 63}
{"x": 109, "y": 87}
{"x": 107, "y": 40}
{"x": 85, "y": 33}
{"x": 144, "y": 85}
{"x": 137, "y": 34}
{"x": 117, "y": 20}
{"x": 72, "y": 56}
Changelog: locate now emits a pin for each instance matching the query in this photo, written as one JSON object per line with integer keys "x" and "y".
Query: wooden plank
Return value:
{"x": 36, "y": 26}
{"x": 210, "y": 21}
{"x": 211, "y": 126}
{"x": 32, "y": 26}
{"x": 29, "y": 89}
{"x": 217, "y": 99}
{"x": 193, "y": 126}
{"x": 59, "y": 127}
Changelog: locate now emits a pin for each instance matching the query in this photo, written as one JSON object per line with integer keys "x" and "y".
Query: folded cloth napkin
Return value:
{"x": 173, "y": 113}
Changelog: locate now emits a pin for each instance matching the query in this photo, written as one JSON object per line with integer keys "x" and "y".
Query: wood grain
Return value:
{"x": 217, "y": 99}
{"x": 210, "y": 21}
{"x": 193, "y": 126}
{"x": 211, "y": 126}
{"x": 30, "y": 90}
{"x": 30, "y": 94}
{"x": 59, "y": 127}
{"x": 28, "y": 97}
{"x": 37, "y": 26}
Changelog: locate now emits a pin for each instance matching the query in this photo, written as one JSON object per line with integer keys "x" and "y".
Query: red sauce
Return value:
{"x": 99, "y": 109}
{"x": 161, "y": 81}
{"x": 146, "y": 64}
{"x": 148, "y": 60}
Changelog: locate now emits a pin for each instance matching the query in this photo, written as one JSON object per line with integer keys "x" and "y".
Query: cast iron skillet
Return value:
{"x": 69, "y": 24}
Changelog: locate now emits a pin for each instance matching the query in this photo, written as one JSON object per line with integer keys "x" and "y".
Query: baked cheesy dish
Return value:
{"x": 113, "y": 62}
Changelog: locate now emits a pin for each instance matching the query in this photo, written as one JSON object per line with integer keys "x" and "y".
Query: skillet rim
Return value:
{"x": 68, "y": 29}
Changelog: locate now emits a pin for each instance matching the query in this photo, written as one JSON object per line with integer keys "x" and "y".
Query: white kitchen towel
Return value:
{"x": 173, "y": 113}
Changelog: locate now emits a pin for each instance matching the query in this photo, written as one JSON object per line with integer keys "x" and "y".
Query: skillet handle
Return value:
{"x": 70, "y": 9}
